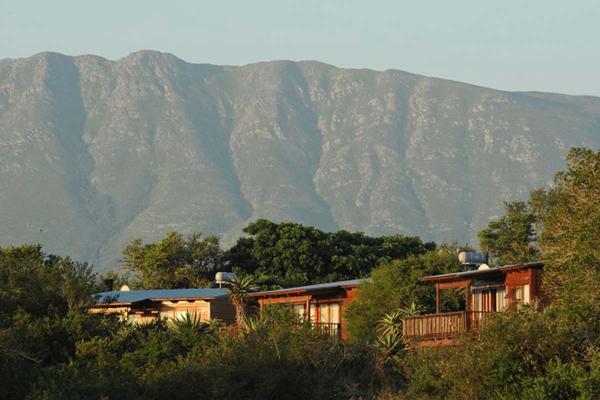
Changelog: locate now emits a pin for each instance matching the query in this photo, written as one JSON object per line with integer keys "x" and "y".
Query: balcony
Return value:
{"x": 328, "y": 328}
{"x": 442, "y": 326}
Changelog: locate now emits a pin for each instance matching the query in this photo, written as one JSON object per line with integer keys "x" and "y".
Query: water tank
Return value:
{"x": 471, "y": 257}
{"x": 124, "y": 288}
{"x": 222, "y": 277}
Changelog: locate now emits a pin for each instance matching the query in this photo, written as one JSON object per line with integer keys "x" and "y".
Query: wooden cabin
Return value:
{"x": 144, "y": 306}
{"x": 324, "y": 304}
{"x": 486, "y": 290}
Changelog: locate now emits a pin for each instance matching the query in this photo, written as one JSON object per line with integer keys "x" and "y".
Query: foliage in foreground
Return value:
{"x": 149, "y": 362}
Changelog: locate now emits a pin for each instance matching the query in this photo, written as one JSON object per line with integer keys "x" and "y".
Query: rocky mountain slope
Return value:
{"x": 95, "y": 152}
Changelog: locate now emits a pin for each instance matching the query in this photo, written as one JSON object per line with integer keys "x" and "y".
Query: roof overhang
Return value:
{"x": 299, "y": 291}
{"x": 483, "y": 273}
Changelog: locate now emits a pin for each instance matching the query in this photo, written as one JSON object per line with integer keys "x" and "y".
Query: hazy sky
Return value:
{"x": 550, "y": 45}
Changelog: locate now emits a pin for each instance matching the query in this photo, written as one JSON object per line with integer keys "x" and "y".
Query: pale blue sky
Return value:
{"x": 546, "y": 45}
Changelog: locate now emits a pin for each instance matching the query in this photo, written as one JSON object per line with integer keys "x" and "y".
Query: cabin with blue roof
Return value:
{"x": 145, "y": 306}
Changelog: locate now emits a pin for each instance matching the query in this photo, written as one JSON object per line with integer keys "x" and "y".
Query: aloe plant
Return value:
{"x": 239, "y": 288}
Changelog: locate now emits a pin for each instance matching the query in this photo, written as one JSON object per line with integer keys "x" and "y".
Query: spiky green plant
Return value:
{"x": 189, "y": 327}
{"x": 412, "y": 309}
{"x": 390, "y": 344}
{"x": 390, "y": 324}
{"x": 239, "y": 288}
{"x": 255, "y": 324}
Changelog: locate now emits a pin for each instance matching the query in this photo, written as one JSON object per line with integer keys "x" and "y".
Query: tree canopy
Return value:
{"x": 289, "y": 254}
{"x": 174, "y": 261}
{"x": 511, "y": 238}
{"x": 570, "y": 242}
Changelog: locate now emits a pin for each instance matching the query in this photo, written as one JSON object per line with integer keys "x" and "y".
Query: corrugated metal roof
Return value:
{"x": 310, "y": 288}
{"x": 133, "y": 296}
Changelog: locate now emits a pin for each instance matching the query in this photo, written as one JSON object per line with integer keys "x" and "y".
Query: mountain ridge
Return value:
{"x": 301, "y": 61}
{"x": 150, "y": 143}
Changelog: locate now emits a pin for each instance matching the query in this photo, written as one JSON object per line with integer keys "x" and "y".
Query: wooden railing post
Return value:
{"x": 469, "y": 323}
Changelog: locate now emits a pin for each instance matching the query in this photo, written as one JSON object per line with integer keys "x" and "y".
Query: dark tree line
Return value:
{"x": 291, "y": 254}
{"x": 276, "y": 254}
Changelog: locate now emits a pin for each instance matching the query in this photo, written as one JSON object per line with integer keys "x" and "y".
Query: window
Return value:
{"x": 299, "y": 310}
{"x": 500, "y": 299}
{"x": 334, "y": 313}
{"x": 518, "y": 294}
{"x": 488, "y": 300}
{"x": 477, "y": 301}
{"x": 329, "y": 313}
{"x": 521, "y": 294}
{"x": 327, "y": 318}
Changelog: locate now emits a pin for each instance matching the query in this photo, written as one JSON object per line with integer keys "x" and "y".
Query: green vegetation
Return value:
{"x": 510, "y": 239}
{"x": 50, "y": 348}
{"x": 553, "y": 353}
{"x": 395, "y": 286}
{"x": 174, "y": 261}
{"x": 240, "y": 287}
{"x": 290, "y": 254}
{"x": 276, "y": 254}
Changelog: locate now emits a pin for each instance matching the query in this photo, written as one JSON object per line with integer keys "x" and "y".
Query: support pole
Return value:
{"x": 438, "y": 300}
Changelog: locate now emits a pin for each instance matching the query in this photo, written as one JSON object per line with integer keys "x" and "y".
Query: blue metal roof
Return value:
{"x": 133, "y": 296}
{"x": 311, "y": 288}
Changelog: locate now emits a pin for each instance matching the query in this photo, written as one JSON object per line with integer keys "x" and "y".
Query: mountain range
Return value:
{"x": 94, "y": 152}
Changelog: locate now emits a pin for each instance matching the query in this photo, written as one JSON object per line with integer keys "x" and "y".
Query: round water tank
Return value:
{"x": 482, "y": 267}
{"x": 124, "y": 288}
{"x": 221, "y": 277}
{"x": 471, "y": 257}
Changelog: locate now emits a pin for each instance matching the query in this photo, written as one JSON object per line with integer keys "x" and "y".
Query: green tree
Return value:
{"x": 570, "y": 242}
{"x": 396, "y": 286}
{"x": 572, "y": 225}
{"x": 174, "y": 262}
{"x": 511, "y": 238}
{"x": 42, "y": 314}
{"x": 289, "y": 254}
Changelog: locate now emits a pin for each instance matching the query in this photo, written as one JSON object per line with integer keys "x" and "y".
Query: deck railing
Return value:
{"x": 442, "y": 326}
{"x": 328, "y": 328}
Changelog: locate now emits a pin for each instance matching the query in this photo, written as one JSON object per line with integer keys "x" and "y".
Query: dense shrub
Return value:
{"x": 395, "y": 285}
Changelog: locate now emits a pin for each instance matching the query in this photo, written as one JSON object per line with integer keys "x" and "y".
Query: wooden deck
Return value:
{"x": 442, "y": 326}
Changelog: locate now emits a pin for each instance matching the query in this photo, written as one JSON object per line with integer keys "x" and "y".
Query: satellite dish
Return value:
{"x": 124, "y": 288}
{"x": 483, "y": 267}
